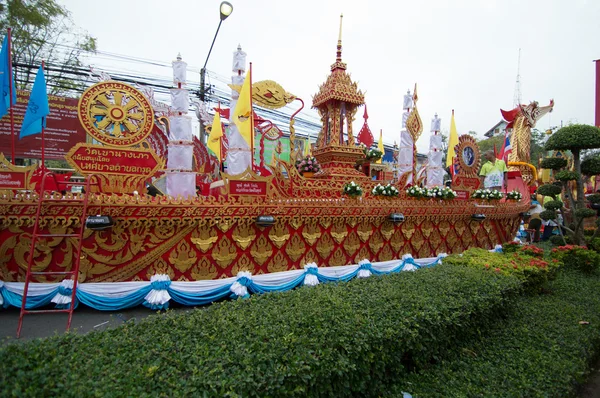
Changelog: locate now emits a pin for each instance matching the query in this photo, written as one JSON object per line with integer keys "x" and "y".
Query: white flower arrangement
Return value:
{"x": 352, "y": 189}
{"x": 487, "y": 194}
{"x": 514, "y": 195}
{"x": 417, "y": 192}
{"x": 388, "y": 190}
{"x": 442, "y": 193}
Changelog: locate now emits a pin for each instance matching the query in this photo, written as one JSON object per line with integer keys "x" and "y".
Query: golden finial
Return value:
{"x": 339, "y": 43}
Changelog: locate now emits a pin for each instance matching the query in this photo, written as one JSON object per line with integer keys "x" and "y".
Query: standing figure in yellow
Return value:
{"x": 494, "y": 174}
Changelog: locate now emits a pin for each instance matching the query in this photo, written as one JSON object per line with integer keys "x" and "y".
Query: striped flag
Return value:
{"x": 506, "y": 148}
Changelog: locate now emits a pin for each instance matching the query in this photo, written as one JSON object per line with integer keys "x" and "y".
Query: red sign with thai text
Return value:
{"x": 247, "y": 187}
{"x": 462, "y": 195}
{"x": 63, "y": 129}
{"x": 468, "y": 182}
{"x": 97, "y": 159}
{"x": 12, "y": 179}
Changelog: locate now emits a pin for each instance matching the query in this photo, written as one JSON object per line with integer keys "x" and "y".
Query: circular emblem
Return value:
{"x": 468, "y": 155}
{"x": 116, "y": 114}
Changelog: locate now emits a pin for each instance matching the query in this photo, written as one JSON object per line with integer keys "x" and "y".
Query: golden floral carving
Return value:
{"x": 325, "y": 246}
{"x": 408, "y": 229}
{"x": 311, "y": 232}
{"x": 467, "y": 239}
{"x": 204, "y": 237}
{"x": 204, "y": 270}
{"x": 160, "y": 267}
{"x": 309, "y": 257}
{"x": 295, "y": 248}
{"x": 435, "y": 239}
{"x": 417, "y": 239}
{"x": 296, "y": 222}
{"x": 339, "y": 230}
{"x": 351, "y": 244}
{"x": 451, "y": 239}
{"x": 426, "y": 228}
{"x": 365, "y": 230}
{"x": 362, "y": 255}
{"x": 425, "y": 251}
{"x": 261, "y": 250}
{"x": 460, "y": 227}
{"x": 376, "y": 242}
{"x": 386, "y": 254}
{"x": 243, "y": 264}
{"x": 279, "y": 234}
{"x": 225, "y": 252}
{"x": 352, "y": 222}
{"x": 338, "y": 258}
{"x": 244, "y": 234}
{"x": 325, "y": 222}
{"x": 387, "y": 230}
{"x": 224, "y": 224}
{"x": 278, "y": 263}
{"x": 397, "y": 241}
{"x": 444, "y": 227}
{"x": 183, "y": 256}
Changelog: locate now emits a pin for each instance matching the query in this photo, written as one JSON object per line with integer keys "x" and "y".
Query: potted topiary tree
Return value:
{"x": 574, "y": 138}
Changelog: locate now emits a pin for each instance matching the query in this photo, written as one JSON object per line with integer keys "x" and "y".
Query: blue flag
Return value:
{"x": 37, "y": 109}
{"x": 6, "y": 79}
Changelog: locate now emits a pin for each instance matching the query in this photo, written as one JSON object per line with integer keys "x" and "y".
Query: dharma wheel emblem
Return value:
{"x": 116, "y": 114}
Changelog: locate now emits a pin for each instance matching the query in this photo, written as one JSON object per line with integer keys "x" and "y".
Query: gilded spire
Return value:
{"x": 339, "y": 44}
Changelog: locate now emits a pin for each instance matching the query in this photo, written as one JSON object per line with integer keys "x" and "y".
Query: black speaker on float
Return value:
{"x": 265, "y": 221}
{"x": 396, "y": 218}
{"x": 98, "y": 223}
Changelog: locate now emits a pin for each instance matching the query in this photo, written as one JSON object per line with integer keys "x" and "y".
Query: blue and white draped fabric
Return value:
{"x": 240, "y": 287}
{"x": 160, "y": 290}
{"x": 311, "y": 277}
{"x": 62, "y": 298}
{"x": 497, "y": 249}
{"x": 158, "y": 298}
{"x": 364, "y": 269}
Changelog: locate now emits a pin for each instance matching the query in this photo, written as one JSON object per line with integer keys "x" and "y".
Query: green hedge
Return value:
{"x": 541, "y": 350}
{"x": 327, "y": 340}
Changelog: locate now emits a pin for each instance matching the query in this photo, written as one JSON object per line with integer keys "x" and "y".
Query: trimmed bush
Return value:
{"x": 566, "y": 175}
{"x": 585, "y": 213}
{"x": 541, "y": 350}
{"x": 591, "y": 166}
{"x": 553, "y": 205}
{"x": 593, "y": 198}
{"x": 349, "y": 339}
{"x": 576, "y": 136}
{"x": 548, "y": 215}
{"x": 549, "y": 190}
{"x": 577, "y": 257}
{"x": 553, "y": 163}
{"x": 558, "y": 240}
{"x": 532, "y": 271}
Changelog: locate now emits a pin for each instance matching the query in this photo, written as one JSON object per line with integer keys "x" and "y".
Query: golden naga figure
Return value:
{"x": 521, "y": 120}
{"x": 268, "y": 94}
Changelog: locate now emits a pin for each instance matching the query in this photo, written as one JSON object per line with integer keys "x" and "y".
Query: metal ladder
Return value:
{"x": 82, "y": 201}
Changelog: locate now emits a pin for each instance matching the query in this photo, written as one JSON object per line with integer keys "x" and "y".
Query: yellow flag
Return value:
{"x": 306, "y": 147}
{"x": 242, "y": 116}
{"x": 214, "y": 139}
{"x": 380, "y": 146}
{"x": 452, "y": 142}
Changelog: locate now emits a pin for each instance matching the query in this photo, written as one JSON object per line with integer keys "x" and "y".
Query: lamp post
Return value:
{"x": 225, "y": 10}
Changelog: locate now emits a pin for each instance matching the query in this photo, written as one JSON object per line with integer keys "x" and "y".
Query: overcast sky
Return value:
{"x": 462, "y": 53}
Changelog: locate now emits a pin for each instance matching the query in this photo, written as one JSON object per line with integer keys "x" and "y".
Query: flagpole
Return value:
{"x": 43, "y": 124}
{"x": 251, "y": 123}
{"x": 10, "y": 89}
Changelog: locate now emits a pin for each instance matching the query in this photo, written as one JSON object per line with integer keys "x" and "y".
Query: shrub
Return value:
{"x": 548, "y": 215}
{"x": 585, "y": 213}
{"x": 594, "y": 244}
{"x": 340, "y": 340}
{"x": 532, "y": 271}
{"x": 541, "y": 350}
{"x": 593, "y": 198}
{"x": 558, "y": 240}
{"x": 591, "y": 166}
{"x": 576, "y": 136}
{"x": 553, "y": 163}
{"x": 553, "y": 205}
{"x": 577, "y": 257}
{"x": 566, "y": 175}
{"x": 549, "y": 190}
{"x": 511, "y": 247}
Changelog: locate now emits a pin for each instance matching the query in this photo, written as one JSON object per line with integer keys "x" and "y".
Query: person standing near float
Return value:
{"x": 494, "y": 174}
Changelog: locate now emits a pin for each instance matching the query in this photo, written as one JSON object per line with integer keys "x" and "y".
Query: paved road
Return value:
{"x": 84, "y": 320}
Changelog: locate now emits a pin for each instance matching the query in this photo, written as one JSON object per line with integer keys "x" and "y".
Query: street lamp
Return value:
{"x": 225, "y": 10}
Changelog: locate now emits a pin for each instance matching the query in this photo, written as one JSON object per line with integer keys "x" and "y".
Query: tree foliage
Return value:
{"x": 574, "y": 137}
{"x": 566, "y": 175}
{"x": 44, "y": 30}
{"x": 553, "y": 163}
{"x": 591, "y": 166}
{"x": 549, "y": 190}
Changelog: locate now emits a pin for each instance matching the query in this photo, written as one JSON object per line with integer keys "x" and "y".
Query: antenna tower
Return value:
{"x": 517, "y": 96}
